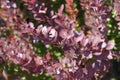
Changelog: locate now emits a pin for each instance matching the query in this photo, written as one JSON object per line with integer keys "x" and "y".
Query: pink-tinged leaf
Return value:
{"x": 85, "y": 71}
{"x": 95, "y": 41}
{"x": 79, "y": 37}
{"x": 52, "y": 33}
{"x": 47, "y": 57}
{"x": 31, "y": 25}
{"x": 103, "y": 45}
{"x": 97, "y": 53}
{"x": 5, "y": 75}
{"x": 43, "y": 11}
{"x": 69, "y": 2}
{"x": 38, "y": 30}
{"x": 60, "y": 10}
{"x": 30, "y": 1}
{"x": 39, "y": 17}
{"x": 110, "y": 55}
{"x": 2, "y": 43}
{"x": 110, "y": 45}
{"x": 45, "y": 31}
{"x": 118, "y": 25}
{"x": 63, "y": 34}
{"x": 117, "y": 18}
{"x": 38, "y": 60}
{"x": 84, "y": 42}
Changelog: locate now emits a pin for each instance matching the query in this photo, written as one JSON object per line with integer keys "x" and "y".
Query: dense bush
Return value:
{"x": 69, "y": 40}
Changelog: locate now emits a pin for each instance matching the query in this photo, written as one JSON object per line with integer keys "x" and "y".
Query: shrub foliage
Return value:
{"x": 28, "y": 33}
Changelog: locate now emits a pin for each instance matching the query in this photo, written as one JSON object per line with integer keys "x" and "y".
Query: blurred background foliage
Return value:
{"x": 15, "y": 73}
